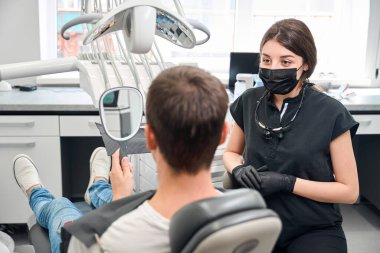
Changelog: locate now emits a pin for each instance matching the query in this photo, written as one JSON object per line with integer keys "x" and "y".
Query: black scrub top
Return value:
{"x": 303, "y": 151}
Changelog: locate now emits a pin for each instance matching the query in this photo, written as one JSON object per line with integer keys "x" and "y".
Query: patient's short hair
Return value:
{"x": 186, "y": 108}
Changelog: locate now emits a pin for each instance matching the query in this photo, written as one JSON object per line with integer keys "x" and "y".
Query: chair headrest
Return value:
{"x": 189, "y": 219}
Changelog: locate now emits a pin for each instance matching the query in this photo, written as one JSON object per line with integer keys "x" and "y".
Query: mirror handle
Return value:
{"x": 123, "y": 150}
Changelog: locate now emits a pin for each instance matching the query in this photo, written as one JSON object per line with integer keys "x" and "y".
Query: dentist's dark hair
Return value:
{"x": 186, "y": 108}
{"x": 295, "y": 36}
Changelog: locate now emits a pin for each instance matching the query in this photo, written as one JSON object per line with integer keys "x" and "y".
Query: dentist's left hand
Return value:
{"x": 121, "y": 177}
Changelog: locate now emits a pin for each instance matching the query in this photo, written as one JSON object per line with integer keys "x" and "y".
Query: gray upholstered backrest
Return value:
{"x": 238, "y": 221}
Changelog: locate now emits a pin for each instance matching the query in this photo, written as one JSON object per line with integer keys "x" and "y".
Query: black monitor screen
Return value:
{"x": 242, "y": 63}
{"x": 110, "y": 100}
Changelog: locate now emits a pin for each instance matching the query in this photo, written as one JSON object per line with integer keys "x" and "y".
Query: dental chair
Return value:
{"x": 237, "y": 221}
{"x": 39, "y": 237}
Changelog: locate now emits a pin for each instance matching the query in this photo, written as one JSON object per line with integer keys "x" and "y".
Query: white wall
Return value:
{"x": 373, "y": 42}
{"x": 23, "y": 32}
{"x": 48, "y": 29}
{"x": 19, "y": 31}
{"x": 242, "y": 37}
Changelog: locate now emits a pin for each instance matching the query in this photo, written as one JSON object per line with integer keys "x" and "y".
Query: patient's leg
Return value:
{"x": 98, "y": 190}
{"x": 51, "y": 212}
{"x": 100, "y": 193}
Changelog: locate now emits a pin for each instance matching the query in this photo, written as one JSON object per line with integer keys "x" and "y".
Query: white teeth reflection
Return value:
{"x": 102, "y": 29}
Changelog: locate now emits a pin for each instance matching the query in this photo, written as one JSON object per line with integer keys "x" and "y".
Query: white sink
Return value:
{"x": 364, "y": 91}
{"x": 355, "y": 94}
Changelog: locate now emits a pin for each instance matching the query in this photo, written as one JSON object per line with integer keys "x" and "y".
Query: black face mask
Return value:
{"x": 279, "y": 81}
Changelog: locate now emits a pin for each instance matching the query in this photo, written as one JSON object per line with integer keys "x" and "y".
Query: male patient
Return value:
{"x": 185, "y": 112}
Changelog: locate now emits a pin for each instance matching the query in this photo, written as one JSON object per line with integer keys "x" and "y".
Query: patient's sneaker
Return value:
{"x": 25, "y": 172}
{"x": 100, "y": 165}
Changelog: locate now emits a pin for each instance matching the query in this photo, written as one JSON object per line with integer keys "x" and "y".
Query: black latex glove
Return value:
{"x": 272, "y": 182}
{"x": 246, "y": 176}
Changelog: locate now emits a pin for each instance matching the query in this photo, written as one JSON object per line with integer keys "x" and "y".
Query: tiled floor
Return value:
{"x": 361, "y": 225}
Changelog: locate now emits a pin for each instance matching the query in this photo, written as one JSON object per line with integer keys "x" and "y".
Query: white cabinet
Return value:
{"x": 79, "y": 126}
{"x": 369, "y": 124}
{"x": 29, "y": 126}
{"x": 37, "y": 137}
{"x": 146, "y": 172}
{"x": 217, "y": 167}
{"x": 367, "y": 150}
{"x": 41, "y": 137}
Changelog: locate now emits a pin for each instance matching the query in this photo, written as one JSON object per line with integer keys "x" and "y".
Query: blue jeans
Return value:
{"x": 100, "y": 193}
{"x": 53, "y": 213}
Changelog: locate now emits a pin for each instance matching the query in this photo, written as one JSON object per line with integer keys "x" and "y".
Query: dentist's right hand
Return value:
{"x": 246, "y": 176}
{"x": 121, "y": 176}
{"x": 273, "y": 182}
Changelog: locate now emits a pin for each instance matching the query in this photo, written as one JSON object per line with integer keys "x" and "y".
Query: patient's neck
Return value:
{"x": 177, "y": 190}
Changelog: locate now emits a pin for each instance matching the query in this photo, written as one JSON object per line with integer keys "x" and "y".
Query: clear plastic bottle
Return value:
{"x": 243, "y": 82}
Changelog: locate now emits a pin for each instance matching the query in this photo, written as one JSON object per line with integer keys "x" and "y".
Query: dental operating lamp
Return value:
{"x": 138, "y": 21}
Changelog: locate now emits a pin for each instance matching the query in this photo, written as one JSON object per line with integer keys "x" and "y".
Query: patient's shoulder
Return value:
{"x": 134, "y": 227}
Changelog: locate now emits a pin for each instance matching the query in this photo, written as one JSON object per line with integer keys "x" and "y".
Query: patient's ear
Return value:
{"x": 226, "y": 128}
{"x": 151, "y": 142}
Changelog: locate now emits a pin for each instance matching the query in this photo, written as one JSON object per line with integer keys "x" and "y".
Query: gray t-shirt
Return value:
{"x": 142, "y": 230}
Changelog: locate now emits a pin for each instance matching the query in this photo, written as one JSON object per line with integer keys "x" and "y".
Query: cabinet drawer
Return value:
{"x": 369, "y": 124}
{"x": 148, "y": 160}
{"x": 15, "y": 207}
{"x": 145, "y": 185}
{"x": 79, "y": 125}
{"x": 148, "y": 174}
{"x": 217, "y": 173}
{"x": 29, "y": 126}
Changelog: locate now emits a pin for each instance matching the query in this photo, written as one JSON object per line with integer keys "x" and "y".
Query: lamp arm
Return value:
{"x": 36, "y": 68}
{"x": 201, "y": 27}
{"x": 83, "y": 19}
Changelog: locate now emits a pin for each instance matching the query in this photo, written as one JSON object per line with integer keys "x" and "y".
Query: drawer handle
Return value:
{"x": 365, "y": 123}
{"x": 18, "y": 144}
{"x": 17, "y": 124}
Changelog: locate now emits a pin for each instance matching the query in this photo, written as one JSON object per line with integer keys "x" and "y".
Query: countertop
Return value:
{"x": 362, "y": 100}
{"x": 62, "y": 99}
{"x": 46, "y": 99}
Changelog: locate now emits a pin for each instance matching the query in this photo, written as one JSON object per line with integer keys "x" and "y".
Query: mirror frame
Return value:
{"x": 102, "y": 113}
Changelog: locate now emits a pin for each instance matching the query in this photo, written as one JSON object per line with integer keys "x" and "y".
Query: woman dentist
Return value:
{"x": 293, "y": 143}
